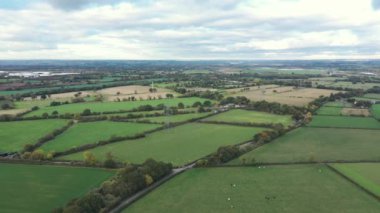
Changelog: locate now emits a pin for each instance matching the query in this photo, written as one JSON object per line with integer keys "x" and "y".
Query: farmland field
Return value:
{"x": 365, "y": 174}
{"x": 14, "y": 135}
{"x": 175, "y": 118}
{"x": 326, "y": 110}
{"x": 112, "y": 106}
{"x": 92, "y": 132}
{"x": 139, "y": 92}
{"x": 241, "y": 116}
{"x": 285, "y": 95}
{"x": 344, "y": 122}
{"x": 318, "y": 144}
{"x": 32, "y": 188}
{"x": 338, "y": 104}
{"x": 376, "y": 111}
{"x": 249, "y": 189}
{"x": 179, "y": 145}
{"x": 356, "y": 112}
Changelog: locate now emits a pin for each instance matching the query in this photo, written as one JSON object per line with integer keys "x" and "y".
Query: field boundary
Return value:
{"x": 129, "y": 201}
{"x": 353, "y": 182}
{"x": 334, "y": 127}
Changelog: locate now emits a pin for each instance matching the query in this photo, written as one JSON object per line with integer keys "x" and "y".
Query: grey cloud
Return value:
{"x": 79, "y": 4}
{"x": 376, "y": 4}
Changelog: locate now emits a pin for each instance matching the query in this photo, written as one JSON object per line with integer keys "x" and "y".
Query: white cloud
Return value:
{"x": 171, "y": 29}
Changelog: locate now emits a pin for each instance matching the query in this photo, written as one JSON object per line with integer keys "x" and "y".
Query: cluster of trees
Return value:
{"x": 6, "y": 103}
{"x": 227, "y": 153}
{"x": 239, "y": 100}
{"x": 37, "y": 154}
{"x": 214, "y": 95}
{"x": 126, "y": 182}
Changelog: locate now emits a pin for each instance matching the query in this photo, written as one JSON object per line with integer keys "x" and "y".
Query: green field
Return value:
{"x": 249, "y": 189}
{"x": 344, "y": 122}
{"x": 92, "y": 132}
{"x": 14, "y": 135}
{"x": 326, "y": 110}
{"x": 376, "y": 111}
{"x": 112, "y": 106}
{"x": 372, "y": 96}
{"x": 366, "y": 175}
{"x": 179, "y": 145}
{"x": 338, "y": 104}
{"x": 175, "y": 118}
{"x": 348, "y": 85}
{"x": 39, "y": 189}
{"x": 246, "y": 116}
{"x": 318, "y": 144}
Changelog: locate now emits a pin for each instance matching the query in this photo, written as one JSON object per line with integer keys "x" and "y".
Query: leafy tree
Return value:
{"x": 89, "y": 158}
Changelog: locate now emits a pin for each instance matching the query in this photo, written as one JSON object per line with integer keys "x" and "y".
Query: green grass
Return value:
{"x": 14, "y": 135}
{"x": 366, "y": 175}
{"x": 112, "y": 106}
{"x": 39, "y": 189}
{"x": 179, "y": 145}
{"x": 338, "y": 104}
{"x": 175, "y": 118}
{"x": 249, "y": 189}
{"x": 345, "y": 122}
{"x": 372, "y": 96}
{"x": 318, "y": 144}
{"x": 243, "y": 116}
{"x": 376, "y": 111}
{"x": 326, "y": 110}
{"x": 92, "y": 132}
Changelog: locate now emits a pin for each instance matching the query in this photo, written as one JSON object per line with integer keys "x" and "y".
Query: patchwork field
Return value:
{"x": 36, "y": 189}
{"x": 243, "y": 116}
{"x": 139, "y": 92}
{"x": 347, "y": 85}
{"x": 285, "y": 95}
{"x": 376, "y": 111}
{"x": 356, "y": 112}
{"x": 344, "y": 122}
{"x": 14, "y": 135}
{"x": 113, "y": 106}
{"x": 366, "y": 175}
{"x": 179, "y": 145}
{"x": 250, "y": 189}
{"x": 11, "y": 111}
{"x": 175, "y": 118}
{"x": 327, "y": 110}
{"x": 92, "y": 132}
{"x": 318, "y": 144}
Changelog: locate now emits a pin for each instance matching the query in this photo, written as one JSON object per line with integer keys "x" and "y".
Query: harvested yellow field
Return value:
{"x": 284, "y": 95}
{"x": 12, "y": 111}
{"x": 63, "y": 96}
{"x": 139, "y": 92}
{"x": 356, "y": 112}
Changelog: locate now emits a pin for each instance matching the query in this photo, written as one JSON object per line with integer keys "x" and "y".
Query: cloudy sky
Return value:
{"x": 189, "y": 29}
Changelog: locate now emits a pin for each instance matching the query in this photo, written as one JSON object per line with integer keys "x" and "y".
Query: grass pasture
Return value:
{"x": 112, "y": 106}
{"x": 327, "y": 110}
{"x": 246, "y": 116}
{"x": 92, "y": 132}
{"x": 376, "y": 111}
{"x": 366, "y": 175}
{"x": 179, "y": 145}
{"x": 39, "y": 189}
{"x": 344, "y": 122}
{"x": 372, "y": 96}
{"x": 252, "y": 189}
{"x": 14, "y": 135}
{"x": 318, "y": 144}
